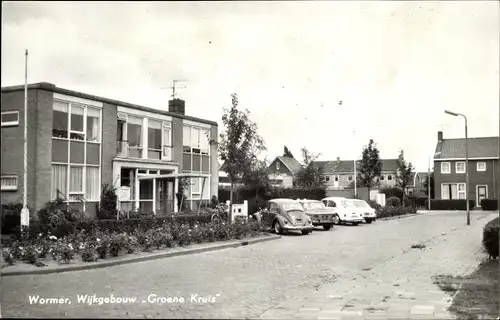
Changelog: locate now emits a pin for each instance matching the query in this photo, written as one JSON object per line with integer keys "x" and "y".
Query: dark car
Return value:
{"x": 284, "y": 215}
{"x": 319, "y": 213}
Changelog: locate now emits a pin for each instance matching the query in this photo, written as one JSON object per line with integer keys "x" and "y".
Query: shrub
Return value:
{"x": 490, "y": 238}
{"x": 393, "y": 202}
{"x": 375, "y": 205}
{"x": 107, "y": 208}
{"x": 116, "y": 244}
{"x": 62, "y": 252}
{"x": 421, "y": 202}
{"x": 89, "y": 253}
{"x": 11, "y": 217}
{"x": 389, "y": 211}
{"x": 489, "y": 204}
{"x": 455, "y": 204}
{"x": 392, "y": 192}
{"x": 7, "y": 256}
{"x": 29, "y": 254}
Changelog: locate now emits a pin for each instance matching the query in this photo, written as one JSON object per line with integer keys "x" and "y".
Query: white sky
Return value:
{"x": 395, "y": 65}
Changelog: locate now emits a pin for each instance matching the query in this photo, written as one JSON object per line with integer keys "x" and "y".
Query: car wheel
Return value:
{"x": 355, "y": 223}
{"x": 305, "y": 232}
{"x": 327, "y": 226}
{"x": 336, "y": 219}
{"x": 277, "y": 227}
{"x": 369, "y": 221}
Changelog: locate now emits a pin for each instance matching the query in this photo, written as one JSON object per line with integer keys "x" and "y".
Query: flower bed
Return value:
{"x": 92, "y": 244}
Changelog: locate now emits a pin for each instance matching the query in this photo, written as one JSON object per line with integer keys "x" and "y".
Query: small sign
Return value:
{"x": 124, "y": 194}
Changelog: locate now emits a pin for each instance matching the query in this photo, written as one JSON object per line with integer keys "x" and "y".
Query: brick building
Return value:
{"x": 449, "y": 168}
{"x": 77, "y": 142}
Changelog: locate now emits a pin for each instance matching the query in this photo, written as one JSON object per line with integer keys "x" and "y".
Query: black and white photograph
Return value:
{"x": 334, "y": 160}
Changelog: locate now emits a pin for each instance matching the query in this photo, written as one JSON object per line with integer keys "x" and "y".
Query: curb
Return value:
{"x": 400, "y": 217}
{"x": 103, "y": 264}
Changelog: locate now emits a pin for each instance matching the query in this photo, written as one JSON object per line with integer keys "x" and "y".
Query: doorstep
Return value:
{"x": 21, "y": 268}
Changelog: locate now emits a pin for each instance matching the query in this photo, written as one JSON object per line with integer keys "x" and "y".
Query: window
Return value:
{"x": 9, "y": 183}
{"x": 154, "y": 139}
{"x": 327, "y": 178}
{"x": 277, "y": 165}
{"x": 134, "y": 137}
{"x": 167, "y": 143}
{"x": 460, "y": 167}
{"x": 336, "y": 178}
{"x": 76, "y": 152}
{"x": 389, "y": 177}
{"x": 382, "y": 177}
{"x": 481, "y": 166}
{"x": 349, "y": 178}
{"x": 10, "y": 118}
{"x": 196, "y": 158}
{"x": 445, "y": 167}
{"x": 453, "y": 191}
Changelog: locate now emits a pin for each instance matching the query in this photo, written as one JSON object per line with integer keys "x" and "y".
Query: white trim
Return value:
{"x": 463, "y": 159}
{"x": 9, "y": 188}
{"x": 458, "y": 190}
{"x": 197, "y": 124}
{"x": 477, "y": 166}
{"x": 456, "y": 167}
{"x": 478, "y": 203}
{"x": 10, "y": 123}
{"x": 66, "y": 98}
{"x": 141, "y": 113}
{"x": 441, "y": 169}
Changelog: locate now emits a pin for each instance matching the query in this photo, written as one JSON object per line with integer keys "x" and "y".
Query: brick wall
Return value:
{"x": 109, "y": 128}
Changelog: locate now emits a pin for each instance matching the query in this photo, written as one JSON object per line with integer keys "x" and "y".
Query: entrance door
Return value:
{"x": 164, "y": 196}
{"x": 482, "y": 193}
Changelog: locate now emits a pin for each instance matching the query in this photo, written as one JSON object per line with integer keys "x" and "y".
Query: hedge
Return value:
{"x": 454, "y": 204}
{"x": 392, "y": 192}
{"x": 490, "y": 238}
{"x": 11, "y": 217}
{"x": 489, "y": 204}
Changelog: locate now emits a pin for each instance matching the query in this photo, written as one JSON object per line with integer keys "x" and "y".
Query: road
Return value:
{"x": 296, "y": 276}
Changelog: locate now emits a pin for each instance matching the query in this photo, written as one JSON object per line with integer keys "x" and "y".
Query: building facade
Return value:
{"x": 339, "y": 174}
{"x": 79, "y": 142}
{"x": 283, "y": 171}
{"x": 450, "y": 169}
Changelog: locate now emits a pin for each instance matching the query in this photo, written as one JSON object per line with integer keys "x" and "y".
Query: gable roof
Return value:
{"x": 347, "y": 166}
{"x": 486, "y": 147}
{"x": 291, "y": 163}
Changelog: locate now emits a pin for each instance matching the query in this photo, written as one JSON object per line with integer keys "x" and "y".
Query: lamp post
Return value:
{"x": 25, "y": 215}
{"x": 466, "y": 162}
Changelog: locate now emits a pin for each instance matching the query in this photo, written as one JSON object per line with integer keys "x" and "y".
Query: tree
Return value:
{"x": 426, "y": 184}
{"x": 287, "y": 153}
{"x": 257, "y": 177}
{"x": 370, "y": 167}
{"x": 403, "y": 173}
{"x": 311, "y": 174}
{"x": 239, "y": 145}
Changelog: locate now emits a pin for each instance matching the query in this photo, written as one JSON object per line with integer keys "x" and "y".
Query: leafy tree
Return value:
{"x": 426, "y": 185}
{"x": 311, "y": 174}
{"x": 287, "y": 153}
{"x": 370, "y": 166}
{"x": 257, "y": 178}
{"x": 239, "y": 145}
{"x": 403, "y": 173}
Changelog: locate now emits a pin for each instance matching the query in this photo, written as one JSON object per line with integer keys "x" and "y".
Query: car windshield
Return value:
{"x": 347, "y": 204}
{"x": 314, "y": 205}
{"x": 292, "y": 207}
{"x": 361, "y": 204}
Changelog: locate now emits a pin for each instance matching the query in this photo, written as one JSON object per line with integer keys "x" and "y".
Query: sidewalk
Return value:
{"x": 400, "y": 288}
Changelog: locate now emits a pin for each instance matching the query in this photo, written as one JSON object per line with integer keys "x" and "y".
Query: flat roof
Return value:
{"x": 173, "y": 175}
{"x": 52, "y": 88}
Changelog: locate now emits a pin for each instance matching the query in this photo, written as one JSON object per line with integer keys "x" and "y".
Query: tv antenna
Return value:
{"x": 174, "y": 87}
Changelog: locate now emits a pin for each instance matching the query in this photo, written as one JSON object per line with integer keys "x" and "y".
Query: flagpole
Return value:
{"x": 25, "y": 217}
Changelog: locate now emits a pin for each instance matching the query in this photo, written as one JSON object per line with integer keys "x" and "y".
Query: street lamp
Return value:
{"x": 466, "y": 162}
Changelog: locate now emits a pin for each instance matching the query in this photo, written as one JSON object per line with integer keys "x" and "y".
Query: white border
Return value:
{"x": 10, "y": 188}
{"x": 456, "y": 167}
{"x": 477, "y": 166}
{"x": 58, "y": 96}
{"x": 11, "y": 123}
{"x": 463, "y": 159}
{"x": 478, "y": 203}
{"x": 441, "y": 169}
{"x": 197, "y": 124}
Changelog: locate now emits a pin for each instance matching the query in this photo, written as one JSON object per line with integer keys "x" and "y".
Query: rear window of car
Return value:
{"x": 314, "y": 205}
{"x": 292, "y": 207}
{"x": 347, "y": 204}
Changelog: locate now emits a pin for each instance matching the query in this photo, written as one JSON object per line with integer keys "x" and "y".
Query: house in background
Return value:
{"x": 416, "y": 187}
{"x": 339, "y": 174}
{"x": 449, "y": 168}
{"x": 77, "y": 142}
{"x": 283, "y": 171}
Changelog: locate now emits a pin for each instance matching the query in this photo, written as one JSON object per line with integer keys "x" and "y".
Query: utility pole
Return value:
{"x": 25, "y": 215}
{"x": 174, "y": 87}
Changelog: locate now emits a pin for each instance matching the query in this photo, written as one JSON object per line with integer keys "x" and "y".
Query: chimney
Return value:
{"x": 440, "y": 135}
{"x": 177, "y": 106}
{"x": 338, "y": 160}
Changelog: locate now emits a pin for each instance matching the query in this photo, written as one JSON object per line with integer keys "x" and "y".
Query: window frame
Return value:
{"x": 389, "y": 177}
{"x": 9, "y": 123}
{"x": 456, "y": 167}
{"x": 81, "y": 195}
{"x": 449, "y": 167}
{"x": 9, "y": 188}
{"x": 477, "y": 166}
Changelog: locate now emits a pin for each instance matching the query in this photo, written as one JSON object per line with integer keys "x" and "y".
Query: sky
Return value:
{"x": 326, "y": 75}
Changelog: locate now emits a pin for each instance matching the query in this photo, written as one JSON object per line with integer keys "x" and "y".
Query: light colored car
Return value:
{"x": 319, "y": 214}
{"x": 364, "y": 209}
{"x": 285, "y": 215}
{"x": 345, "y": 209}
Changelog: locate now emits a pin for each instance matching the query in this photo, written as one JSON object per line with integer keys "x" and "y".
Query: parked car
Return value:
{"x": 285, "y": 215}
{"x": 319, "y": 214}
{"x": 345, "y": 210}
{"x": 365, "y": 210}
